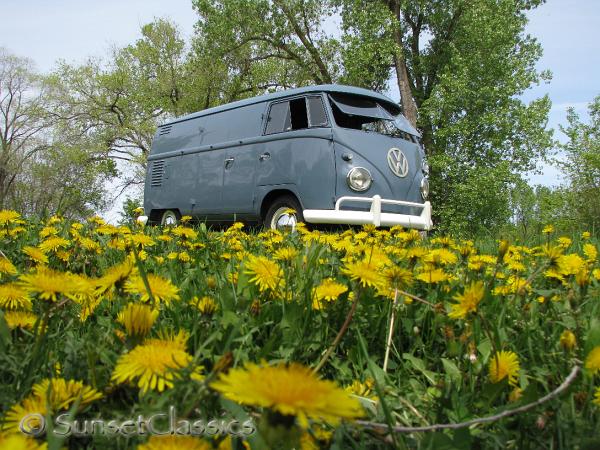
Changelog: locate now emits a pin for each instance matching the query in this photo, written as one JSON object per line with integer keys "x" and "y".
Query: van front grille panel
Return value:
{"x": 158, "y": 170}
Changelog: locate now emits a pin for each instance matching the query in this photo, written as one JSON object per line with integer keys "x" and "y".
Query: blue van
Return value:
{"x": 320, "y": 154}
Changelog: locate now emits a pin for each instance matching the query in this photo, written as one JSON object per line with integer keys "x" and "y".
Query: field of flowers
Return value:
{"x": 260, "y": 339}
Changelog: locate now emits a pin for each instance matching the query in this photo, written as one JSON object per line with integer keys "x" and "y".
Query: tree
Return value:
{"x": 22, "y": 119}
{"x": 117, "y": 105}
{"x": 269, "y": 44}
{"x": 582, "y": 165}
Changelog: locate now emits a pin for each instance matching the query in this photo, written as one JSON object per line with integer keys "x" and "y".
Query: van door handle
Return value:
{"x": 264, "y": 156}
{"x": 229, "y": 161}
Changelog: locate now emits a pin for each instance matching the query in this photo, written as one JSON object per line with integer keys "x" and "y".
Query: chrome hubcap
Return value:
{"x": 283, "y": 220}
{"x": 170, "y": 219}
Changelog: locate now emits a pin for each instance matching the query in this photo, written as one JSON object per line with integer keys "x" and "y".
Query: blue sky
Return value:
{"x": 46, "y": 31}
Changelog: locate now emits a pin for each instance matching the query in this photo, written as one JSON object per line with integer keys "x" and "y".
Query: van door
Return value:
{"x": 239, "y": 165}
{"x": 299, "y": 152}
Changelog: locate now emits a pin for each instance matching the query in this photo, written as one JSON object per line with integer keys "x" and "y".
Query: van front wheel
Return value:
{"x": 283, "y": 214}
{"x": 169, "y": 218}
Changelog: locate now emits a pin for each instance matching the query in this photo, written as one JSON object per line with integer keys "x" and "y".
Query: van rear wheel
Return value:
{"x": 284, "y": 214}
{"x": 169, "y": 218}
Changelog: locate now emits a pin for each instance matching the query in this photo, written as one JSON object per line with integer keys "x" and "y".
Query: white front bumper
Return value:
{"x": 374, "y": 216}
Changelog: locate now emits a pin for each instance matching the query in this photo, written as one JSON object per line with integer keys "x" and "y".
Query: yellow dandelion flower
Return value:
{"x": 592, "y": 362}
{"x": 113, "y": 277}
{"x": 398, "y": 277}
{"x": 291, "y": 390}
{"x": 586, "y": 235}
{"x": 154, "y": 363}
{"x": 590, "y": 252}
{"x": 185, "y": 232}
{"x": 564, "y": 241}
{"x": 362, "y": 389}
{"x": 184, "y": 257}
{"x": 53, "y": 244}
{"x": 366, "y": 272}
{"x": 14, "y": 296}
{"x": 142, "y": 240}
{"x": 7, "y": 267}
{"x": 174, "y": 442}
{"x": 63, "y": 393}
{"x": 8, "y": 216}
{"x": 20, "y": 319}
{"x": 137, "y": 318}
{"x": 568, "y": 341}
{"x": 285, "y": 254}
{"x": 467, "y": 301}
{"x": 432, "y": 276}
{"x": 205, "y": 305}
{"x": 161, "y": 288}
{"x": 266, "y": 274}
{"x": 329, "y": 290}
{"x": 504, "y": 364}
{"x": 570, "y": 264}
{"x": 30, "y": 405}
{"x": 19, "y": 441}
{"x": 441, "y": 256}
{"x": 35, "y": 254}
{"x": 548, "y": 229}
{"x": 46, "y": 283}
{"x": 90, "y": 244}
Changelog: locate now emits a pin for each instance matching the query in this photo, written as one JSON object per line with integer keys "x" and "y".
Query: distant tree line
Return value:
{"x": 459, "y": 65}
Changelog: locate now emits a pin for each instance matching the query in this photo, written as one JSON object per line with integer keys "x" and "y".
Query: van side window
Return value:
{"x": 279, "y": 118}
{"x": 299, "y": 116}
{"x": 318, "y": 118}
{"x": 294, "y": 115}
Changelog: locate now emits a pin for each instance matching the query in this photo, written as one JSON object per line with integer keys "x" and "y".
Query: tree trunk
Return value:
{"x": 409, "y": 107}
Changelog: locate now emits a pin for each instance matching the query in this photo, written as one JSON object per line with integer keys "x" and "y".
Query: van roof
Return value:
{"x": 337, "y": 88}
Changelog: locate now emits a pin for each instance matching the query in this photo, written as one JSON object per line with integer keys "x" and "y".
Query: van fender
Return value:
{"x": 266, "y": 193}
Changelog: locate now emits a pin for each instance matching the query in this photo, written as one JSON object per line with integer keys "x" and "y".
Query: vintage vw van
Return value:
{"x": 319, "y": 154}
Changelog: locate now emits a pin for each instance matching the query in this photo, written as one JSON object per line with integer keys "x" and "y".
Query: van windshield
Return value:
{"x": 366, "y": 114}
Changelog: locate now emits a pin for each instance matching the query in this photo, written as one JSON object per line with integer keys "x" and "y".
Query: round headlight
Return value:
{"x": 359, "y": 179}
{"x": 425, "y": 167}
{"x": 424, "y": 188}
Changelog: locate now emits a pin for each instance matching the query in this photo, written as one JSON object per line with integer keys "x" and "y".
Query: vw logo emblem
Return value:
{"x": 397, "y": 162}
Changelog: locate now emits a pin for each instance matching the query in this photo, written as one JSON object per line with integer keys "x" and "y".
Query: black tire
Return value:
{"x": 170, "y": 217}
{"x": 275, "y": 218}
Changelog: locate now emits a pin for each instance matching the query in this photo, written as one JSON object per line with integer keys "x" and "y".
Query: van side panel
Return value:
{"x": 190, "y": 175}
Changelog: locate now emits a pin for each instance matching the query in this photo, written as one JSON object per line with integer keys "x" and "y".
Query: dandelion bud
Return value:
{"x": 568, "y": 340}
{"x": 472, "y": 357}
{"x": 502, "y": 249}
{"x": 211, "y": 282}
{"x": 416, "y": 330}
{"x": 255, "y": 308}
{"x": 515, "y": 394}
{"x": 224, "y": 363}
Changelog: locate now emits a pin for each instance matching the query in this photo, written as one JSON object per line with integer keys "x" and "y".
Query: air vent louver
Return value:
{"x": 158, "y": 170}
{"x": 165, "y": 130}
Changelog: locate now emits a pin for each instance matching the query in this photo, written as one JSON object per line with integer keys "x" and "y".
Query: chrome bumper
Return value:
{"x": 374, "y": 216}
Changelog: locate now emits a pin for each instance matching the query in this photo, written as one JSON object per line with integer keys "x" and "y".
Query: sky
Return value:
{"x": 73, "y": 30}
